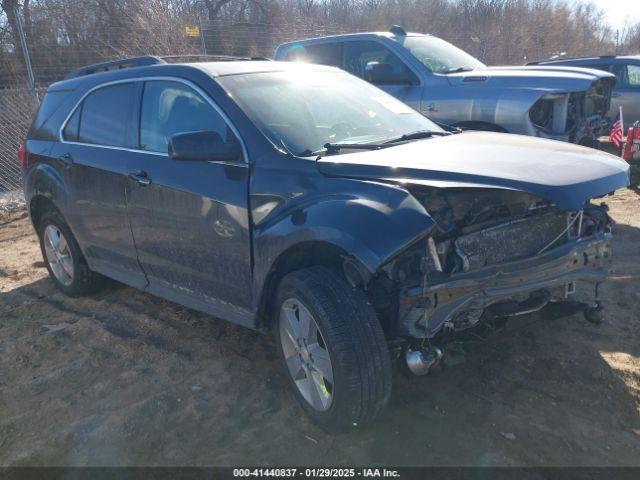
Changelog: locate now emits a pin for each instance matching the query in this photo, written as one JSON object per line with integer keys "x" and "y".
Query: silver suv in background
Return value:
{"x": 626, "y": 93}
{"x": 450, "y": 86}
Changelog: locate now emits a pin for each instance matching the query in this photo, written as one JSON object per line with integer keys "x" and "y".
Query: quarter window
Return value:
{"x": 73, "y": 126}
{"x": 172, "y": 107}
{"x": 104, "y": 118}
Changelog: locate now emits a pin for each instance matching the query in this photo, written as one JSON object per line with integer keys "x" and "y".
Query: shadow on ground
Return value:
{"x": 123, "y": 378}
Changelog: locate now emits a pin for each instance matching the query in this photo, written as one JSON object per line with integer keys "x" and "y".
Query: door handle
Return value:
{"x": 431, "y": 107}
{"x": 615, "y": 94}
{"x": 66, "y": 159}
{"x": 141, "y": 177}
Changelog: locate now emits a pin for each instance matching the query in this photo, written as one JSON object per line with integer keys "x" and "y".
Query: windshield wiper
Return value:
{"x": 336, "y": 147}
{"x": 418, "y": 134}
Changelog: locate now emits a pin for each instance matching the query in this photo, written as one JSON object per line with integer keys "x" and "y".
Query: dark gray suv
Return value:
{"x": 303, "y": 200}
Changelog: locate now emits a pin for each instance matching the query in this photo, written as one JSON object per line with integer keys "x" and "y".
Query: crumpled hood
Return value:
{"x": 565, "y": 174}
{"x": 560, "y": 79}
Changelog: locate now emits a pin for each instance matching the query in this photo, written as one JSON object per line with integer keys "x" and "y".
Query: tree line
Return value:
{"x": 63, "y": 34}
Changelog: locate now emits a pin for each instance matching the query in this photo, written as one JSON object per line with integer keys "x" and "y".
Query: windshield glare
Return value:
{"x": 440, "y": 56}
{"x": 303, "y": 110}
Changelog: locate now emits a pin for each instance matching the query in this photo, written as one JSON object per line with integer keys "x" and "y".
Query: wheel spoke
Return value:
{"x": 295, "y": 366}
{"x": 63, "y": 248}
{"x": 320, "y": 396}
{"x": 321, "y": 361}
{"x": 54, "y": 237}
{"x": 67, "y": 264}
{"x": 290, "y": 323}
{"x": 308, "y": 327}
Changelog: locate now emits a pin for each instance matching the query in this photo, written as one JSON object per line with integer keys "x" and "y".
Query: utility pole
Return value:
{"x": 25, "y": 53}
{"x": 203, "y": 45}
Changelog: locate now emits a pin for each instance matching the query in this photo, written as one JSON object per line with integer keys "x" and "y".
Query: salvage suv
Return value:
{"x": 450, "y": 86}
{"x": 302, "y": 200}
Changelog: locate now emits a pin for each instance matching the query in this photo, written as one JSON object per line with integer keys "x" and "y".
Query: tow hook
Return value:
{"x": 420, "y": 362}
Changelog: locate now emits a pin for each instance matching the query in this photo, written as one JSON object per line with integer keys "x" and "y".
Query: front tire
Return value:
{"x": 333, "y": 348}
{"x": 63, "y": 258}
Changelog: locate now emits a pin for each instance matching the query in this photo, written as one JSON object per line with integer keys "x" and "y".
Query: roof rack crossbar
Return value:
{"x": 143, "y": 61}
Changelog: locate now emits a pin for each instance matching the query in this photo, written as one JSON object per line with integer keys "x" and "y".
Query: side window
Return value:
{"x": 105, "y": 116}
{"x": 356, "y": 56}
{"x": 70, "y": 132}
{"x": 633, "y": 73}
{"x": 321, "y": 53}
{"x": 628, "y": 76}
{"x": 172, "y": 107}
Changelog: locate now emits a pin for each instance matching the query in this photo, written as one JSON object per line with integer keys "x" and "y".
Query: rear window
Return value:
{"x": 103, "y": 117}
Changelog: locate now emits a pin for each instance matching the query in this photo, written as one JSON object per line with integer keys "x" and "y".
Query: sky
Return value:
{"x": 617, "y": 11}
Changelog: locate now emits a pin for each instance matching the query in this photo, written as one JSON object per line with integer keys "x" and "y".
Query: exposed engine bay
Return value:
{"x": 494, "y": 253}
{"x": 581, "y": 115}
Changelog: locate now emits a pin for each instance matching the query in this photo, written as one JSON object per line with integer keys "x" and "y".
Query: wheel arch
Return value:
{"x": 38, "y": 206}
{"x": 355, "y": 233}
{"x": 303, "y": 255}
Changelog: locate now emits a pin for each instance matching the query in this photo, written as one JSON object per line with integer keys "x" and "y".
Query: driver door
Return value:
{"x": 400, "y": 82}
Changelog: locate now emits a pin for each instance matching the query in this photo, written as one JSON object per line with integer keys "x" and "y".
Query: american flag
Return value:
{"x": 616, "y": 130}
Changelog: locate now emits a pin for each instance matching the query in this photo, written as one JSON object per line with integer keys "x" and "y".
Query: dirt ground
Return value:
{"x": 123, "y": 378}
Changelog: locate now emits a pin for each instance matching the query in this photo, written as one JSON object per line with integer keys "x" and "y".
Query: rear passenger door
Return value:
{"x": 93, "y": 155}
{"x": 189, "y": 218}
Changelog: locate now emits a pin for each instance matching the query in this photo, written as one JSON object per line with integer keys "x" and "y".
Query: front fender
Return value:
{"x": 371, "y": 224}
{"x": 506, "y": 107}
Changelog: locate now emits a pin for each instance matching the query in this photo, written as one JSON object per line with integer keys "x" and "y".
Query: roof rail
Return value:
{"x": 204, "y": 58}
{"x": 115, "y": 65}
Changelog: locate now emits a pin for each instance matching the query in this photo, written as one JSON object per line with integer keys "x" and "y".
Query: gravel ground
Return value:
{"x": 11, "y": 201}
{"x": 123, "y": 378}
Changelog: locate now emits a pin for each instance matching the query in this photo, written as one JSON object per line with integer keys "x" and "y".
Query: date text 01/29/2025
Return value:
{"x": 316, "y": 472}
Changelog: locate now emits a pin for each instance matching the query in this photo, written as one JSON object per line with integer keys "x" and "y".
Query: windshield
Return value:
{"x": 304, "y": 110}
{"x": 440, "y": 56}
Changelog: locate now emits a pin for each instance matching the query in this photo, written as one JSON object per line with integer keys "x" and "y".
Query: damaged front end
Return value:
{"x": 494, "y": 254}
{"x": 579, "y": 117}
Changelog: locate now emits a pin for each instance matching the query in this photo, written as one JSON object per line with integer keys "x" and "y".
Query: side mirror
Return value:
{"x": 380, "y": 73}
{"x": 203, "y": 146}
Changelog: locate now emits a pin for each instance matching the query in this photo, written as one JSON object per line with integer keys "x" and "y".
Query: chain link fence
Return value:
{"x": 53, "y": 60}
{"x": 17, "y": 106}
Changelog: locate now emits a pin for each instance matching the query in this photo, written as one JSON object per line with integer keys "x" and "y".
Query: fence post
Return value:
{"x": 25, "y": 53}
{"x": 203, "y": 46}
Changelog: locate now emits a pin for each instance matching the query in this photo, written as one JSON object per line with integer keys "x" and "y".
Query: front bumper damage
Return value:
{"x": 463, "y": 299}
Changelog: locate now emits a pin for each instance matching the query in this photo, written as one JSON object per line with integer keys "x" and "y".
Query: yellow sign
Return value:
{"x": 192, "y": 31}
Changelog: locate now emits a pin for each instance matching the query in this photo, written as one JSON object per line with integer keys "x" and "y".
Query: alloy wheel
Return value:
{"x": 58, "y": 255}
{"x": 306, "y": 354}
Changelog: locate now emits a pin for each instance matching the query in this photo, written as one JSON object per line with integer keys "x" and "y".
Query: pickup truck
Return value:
{"x": 451, "y": 87}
